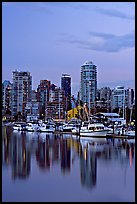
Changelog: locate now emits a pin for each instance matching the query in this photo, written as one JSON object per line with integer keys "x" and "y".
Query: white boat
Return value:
{"x": 32, "y": 127}
{"x": 76, "y": 129}
{"x": 45, "y": 127}
{"x": 130, "y": 133}
{"x": 93, "y": 130}
{"x": 19, "y": 126}
{"x": 115, "y": 130}
{"x": 119, "y": 130}
{"x": 67, "y": 127}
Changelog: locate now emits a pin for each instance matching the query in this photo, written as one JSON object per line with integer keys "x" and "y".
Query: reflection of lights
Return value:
{"x": 24, "y": 156}
{"x": 130, "y": 157}
{"x": 7, "y": 160}
{"x": 6, "y": 141}
{"x": 68, "y": 143}
{"x": 85, "y": 154}
{"x": 5, "y": 131}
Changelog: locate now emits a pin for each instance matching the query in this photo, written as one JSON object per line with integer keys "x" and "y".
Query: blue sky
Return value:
{"x": 53, "y": 38}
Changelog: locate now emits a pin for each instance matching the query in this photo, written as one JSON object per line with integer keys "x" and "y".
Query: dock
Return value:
{"x": 109, "y": 135}
{"x": 120, "y": 136}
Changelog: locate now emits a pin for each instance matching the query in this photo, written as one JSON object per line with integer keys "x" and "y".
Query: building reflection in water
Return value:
{"x": 88, "y": 168}
{"x": 42, "y": 154}
{"x": 6, "y": 148}
{"x": 18, "y": 148}
{"x": 20, "y": 158}
{"x": 16, "y": 154}
{"x": 65, "y": 155}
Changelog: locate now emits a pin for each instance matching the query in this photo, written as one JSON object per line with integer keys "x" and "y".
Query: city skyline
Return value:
{"x": 49, "y": 39}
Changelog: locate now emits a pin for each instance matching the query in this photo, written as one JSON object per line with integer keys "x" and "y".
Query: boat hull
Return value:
{"x": 46, "y": 130}
{"x": 89, "y": 133}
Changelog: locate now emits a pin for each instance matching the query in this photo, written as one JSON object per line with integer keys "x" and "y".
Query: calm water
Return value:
{"x": 52, "y": 167}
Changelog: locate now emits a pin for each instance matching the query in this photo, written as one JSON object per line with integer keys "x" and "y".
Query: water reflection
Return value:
{"x": 49, "y": 149}
{"x": 88, "y": 168}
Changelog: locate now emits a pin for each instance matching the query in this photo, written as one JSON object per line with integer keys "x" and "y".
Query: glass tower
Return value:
{"x": 88, "y": 84}
{"x": 66, "y": 86}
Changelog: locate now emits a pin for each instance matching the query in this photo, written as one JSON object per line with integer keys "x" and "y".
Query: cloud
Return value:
{"x": 114, "y": 13}
{"x": 102, "y": 41}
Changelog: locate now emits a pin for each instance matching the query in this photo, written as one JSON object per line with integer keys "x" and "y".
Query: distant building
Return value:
{"x": 104, "y": 98}
{"x": 6, "y": 96}
{"x": 101, "y": 104}
{"x": 88, "y": 83}
{"x": 98, "y": 94}
{"x": 43, "y": 90}
{"x": 56, "y": 106}
{"x": 66, "y": 86}
{"x": 118, "y": 97}
{"x": 22, "y": 91}
{"x": 34, "y": 95}
{"x": 130, "y": 97}
{"x": 32, "y": 110}
{"x": 105, "y": 93}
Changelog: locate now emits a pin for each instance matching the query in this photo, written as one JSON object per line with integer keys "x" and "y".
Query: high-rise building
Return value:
{"x": 43, "y": 96}
{"x": 105, "y": 98}
{"x": 130, "y": 97}
{"x": 118, "y": 97}
{"x": 43, "y": 90}
{"x": 66, "y": 86}
{"x": 56, "y": 106}
{"x": 88, "y": 84}
{"x": 22, "y": 90}
{"x": 6, "y": 96}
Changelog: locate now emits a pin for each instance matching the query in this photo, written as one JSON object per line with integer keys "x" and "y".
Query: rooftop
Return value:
{"x": 88, "y": 63}
{"x": 65, "y": 75}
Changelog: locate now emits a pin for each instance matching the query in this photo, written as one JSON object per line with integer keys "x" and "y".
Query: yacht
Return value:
{"x": 32, "y": 127}
{"x": 46, "y": 127}
{"x": 130, "y": 133}
{"x": 120, "y": 130}
{"x": 19, "y": 126}
{"x": 93, "y": 130}
{"x": 73, "y": 126}
{"x": 76, "y": 129}
{"x": 67, "y": 127}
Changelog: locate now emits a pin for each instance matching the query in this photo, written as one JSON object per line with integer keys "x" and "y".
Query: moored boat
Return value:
{"x": 32, "y": 127}
{"x": 93, "y": 130}
{"x": 46, "y": 127}
{"x": 19, "y": 126}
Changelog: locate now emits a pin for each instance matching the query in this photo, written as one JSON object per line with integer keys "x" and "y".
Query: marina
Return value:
{"x": 68, "y": 102}
{"x": 86, "y": 128}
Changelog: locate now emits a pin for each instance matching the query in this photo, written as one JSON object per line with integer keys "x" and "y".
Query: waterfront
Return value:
{"x": 62, "y": 167}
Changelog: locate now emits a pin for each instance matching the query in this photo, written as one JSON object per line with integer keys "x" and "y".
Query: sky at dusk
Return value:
{"x": 49, "y": 39}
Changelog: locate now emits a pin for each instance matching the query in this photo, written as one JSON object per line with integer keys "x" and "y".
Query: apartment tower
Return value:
{"x": 22, "y": 90}
{"x": 88, "y": 84}
{"x": 66, "y": 86}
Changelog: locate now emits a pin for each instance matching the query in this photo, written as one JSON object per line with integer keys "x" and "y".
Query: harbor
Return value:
{"x": 68, "y": 102}
{"x": 91, "y": 128}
